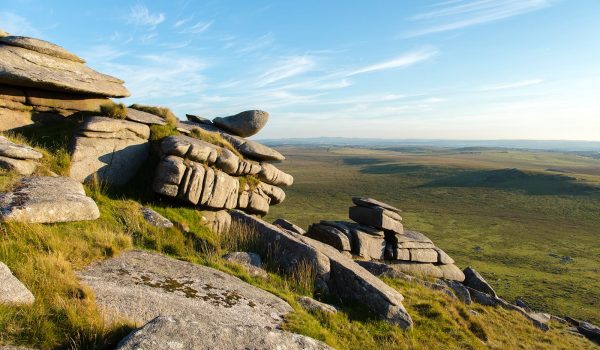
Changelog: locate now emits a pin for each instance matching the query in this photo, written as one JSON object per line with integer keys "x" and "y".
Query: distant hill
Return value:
{"x": 552, "y": 145}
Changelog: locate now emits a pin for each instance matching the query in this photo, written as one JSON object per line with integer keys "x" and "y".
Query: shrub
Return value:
{"x": 215, "y": 139}
{"x": 114, "y": 110}
{"x": 162, "y": 112}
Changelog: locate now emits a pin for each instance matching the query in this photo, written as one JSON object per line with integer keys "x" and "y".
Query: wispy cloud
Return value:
{"x": 181, "y": 22}
{"x": 511, "y": 85}
{"x": 454, "y": 15}
{"x": 139, "y": 15}
{"x": 260, "y": 43}
{"x": 17, "y": 25}
{"x": 287, "y": 68}
{"x": 198, "y": 28}
{"x": 405, "y": 60}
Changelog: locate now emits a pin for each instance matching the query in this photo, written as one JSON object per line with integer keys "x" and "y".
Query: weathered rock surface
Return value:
{"x": 373, "y": 203}
{"x": 218, "y": 221}
{"x": 255, "y": 201}
{"x": 112, "y": 149}
{"x": 155, "y": 219}
{"x": 20, "y": 166}
{"x": 250, "y": 261}
{"x": 364, "y": 241}
{"x": 198, "y": 119}
{"x": 271, "y": 175}
{"x": 289, "y": 226}
{"x": 449, "y": 272}
{"x": 377, "y": 217}
{"x": 164, "y": 333}
{"x": 47, "y": 199}
{"x": 16, "y": 151}
{"x": 12, "y": 291}
{"x": 140, "y": 286}
{"x": 461, "y": 292}
{"x": 29, "y": 62}
{"x": 474, "y": 280}
{"x": 144, "y": 117}
{"x": 244, "y": 124}
{"x": 312, "y": 305}
{"x": 252, "y": 149}
{"x": 339, "y": 274}
{"x": 330, "y": 235}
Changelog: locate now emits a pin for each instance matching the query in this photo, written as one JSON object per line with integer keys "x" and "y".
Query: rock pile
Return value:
{"x": 217, "y": 175}
{"x": 378, "y": 234}
{"x": 42, "y": 81}
{"x": 18, "y": 158}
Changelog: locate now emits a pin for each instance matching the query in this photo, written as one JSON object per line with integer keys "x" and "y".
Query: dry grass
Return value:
{"x": 159, "y": 132}
{"x": 162, "y": 112}
{"x": 215, "y": 139}
{"x": 114, "y": 110}
{"x": 251, "y": 180}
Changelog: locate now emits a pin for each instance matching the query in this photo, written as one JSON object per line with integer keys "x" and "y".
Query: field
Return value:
{"x": 527, "y": 220}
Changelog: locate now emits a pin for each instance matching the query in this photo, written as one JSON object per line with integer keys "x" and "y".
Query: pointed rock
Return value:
{"x": 12, "y": 291}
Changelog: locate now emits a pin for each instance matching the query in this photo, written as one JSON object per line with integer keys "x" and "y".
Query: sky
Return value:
{"x": 443, "y": 69}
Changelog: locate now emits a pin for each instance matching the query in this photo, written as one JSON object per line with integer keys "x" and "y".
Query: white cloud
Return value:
{"x": 512, "y": 85}
{"x": 182, "y": 22}
{"x": 453, "y": 15}
{"x": 287, "y": 68}
{"x": 198, "y": 28}
{"x": 139, "y": 15}
{"x": 17, "y": 25}
{"x": 260, "y": 43}
{"x": 405, "y": 60}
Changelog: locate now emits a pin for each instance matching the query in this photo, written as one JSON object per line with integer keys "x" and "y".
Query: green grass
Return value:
{"x": 215, "y": 139}
{"x": 46, "y": 257}
{"x": 114, "y": 110}
{"x": 515, "y": 231}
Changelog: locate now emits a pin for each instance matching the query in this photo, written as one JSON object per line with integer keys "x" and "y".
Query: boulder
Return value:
{"x": 189, "y": 148}
{"x": 590, "y": 331}
{"x": 252, "y": 149}
{"x": 423, "y": 255}
{"x": 12, "y": 150}
{"x": 144, "y": 117}
{"x": 343, "y": 278}
{"x": 449, "y": 272}
{"x": 244, "y": 124}
{"x": 250, "y": 261}
{"x": 205, "y": 334}
{"x": 365, "y": 241}
{"x": 474, "y": 280}
{"x": 312, "y": 305}
{"x": 198, "y": 119}
{"x": 12, "y": 291}
{"x": 28, "y": 62}
{"x": 461, "y": 292}
{"x": 21, "y": 167}
{"x": 331, "y": 235}
{"x": 112, "y": 149}
{"x": 377, "y": 217}
{"x": 47, "y": 199}
{"x": 155, "y": 219}
{"x": 273, "y": 176}
{"x": 276, "y": 194}
{"x": 289, "y": 226}
{"x": 373, "y": 203}
{"x": 218, "y": 221}
{"x": 140, "y": 286}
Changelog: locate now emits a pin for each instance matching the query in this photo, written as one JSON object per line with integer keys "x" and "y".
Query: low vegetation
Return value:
{"x": 215, "y": 139}
{"x": 162, "y": 112}
{"x": 251, "y": 180}
{"x": 114, "y": 110}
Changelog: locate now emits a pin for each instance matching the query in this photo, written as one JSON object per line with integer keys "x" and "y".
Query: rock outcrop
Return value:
{"x": 13, "y": 291}
{"x": 155, "y": 219}
{"x": 42, "y": 81}
{"x": 251, "y": 262}
{"x": 47, "y": 199}
{"x": 379, "y": 234}
{"x": 18, "y": 158}
{"x": 111, "y": 149}
{"x": 312, "y": 305}
{"x": 336, "y": 273}
{"x": 140, "y": 286}
{"x": 211, "y": 175}
{"x": 244, "y": 124}
{"x": 202, "y": 334}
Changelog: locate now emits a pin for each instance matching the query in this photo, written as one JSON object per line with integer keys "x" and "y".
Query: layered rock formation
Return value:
{"x": 18, "y": 158}
{"x": 42, "y": 81}
{"x": 379, "y": 234}
{"x": 215, "y": 176}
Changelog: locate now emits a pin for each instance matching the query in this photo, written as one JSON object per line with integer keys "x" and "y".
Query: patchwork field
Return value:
{"x": 528, "y": 220}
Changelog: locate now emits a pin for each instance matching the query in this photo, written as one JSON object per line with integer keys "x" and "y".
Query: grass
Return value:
{"x": 162, "y": 112}
{"x": 251, "y": 180}
{"x": 114, "y": 110}
{"x": 159, "y": 132}
{"x": 516, "y": 233}
{"x": 215, "y": 139}
{"x": 46, "y": 257}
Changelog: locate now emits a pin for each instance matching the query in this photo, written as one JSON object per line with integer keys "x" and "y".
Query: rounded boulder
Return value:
{"x": 243, "y": 124}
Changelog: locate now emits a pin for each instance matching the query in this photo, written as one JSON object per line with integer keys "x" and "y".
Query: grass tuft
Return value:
{"x": 159, "y": 132}
{"x": 114, "y": 110}
{"x": 162, "y": 112}
{"x": 215, "y": 139}
{"x": 251, "y": 180}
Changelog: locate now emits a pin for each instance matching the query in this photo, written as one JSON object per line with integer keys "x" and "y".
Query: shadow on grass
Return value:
{"x": 515, "y": 179}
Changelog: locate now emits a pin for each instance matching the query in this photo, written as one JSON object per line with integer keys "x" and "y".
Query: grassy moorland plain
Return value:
{"x": 529, "y": 221}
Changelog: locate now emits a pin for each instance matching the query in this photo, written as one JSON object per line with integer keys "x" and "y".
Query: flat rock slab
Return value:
{"x": 377, "y": 217}
{"x": 27, "y": 67}
{"x": 12, "y": 291}
{"x": 140, "y": 286}
{"x": 20, "y": 166}
{"x": 144, "y": 117}
{"x": 244, "y": 124}
{"x": 371, "y": 203}
{"x": 17, "y": 151}
{"x": 289, "y": 226}
{"x": 164, "y": 333}
{"x": 47, "y": 199}
{"x": 40, "y": 46}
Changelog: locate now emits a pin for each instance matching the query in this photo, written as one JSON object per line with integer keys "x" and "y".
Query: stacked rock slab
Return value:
{"x": 18, "y": 158}
{"x": 379, "y": 234}
{"x": 42, "y": 81}
{"x": 111, "y": 149}
{"x": 214, "y": 177}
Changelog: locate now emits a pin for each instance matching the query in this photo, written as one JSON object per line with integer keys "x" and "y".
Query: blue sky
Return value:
{"x": 448, "y": 69}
